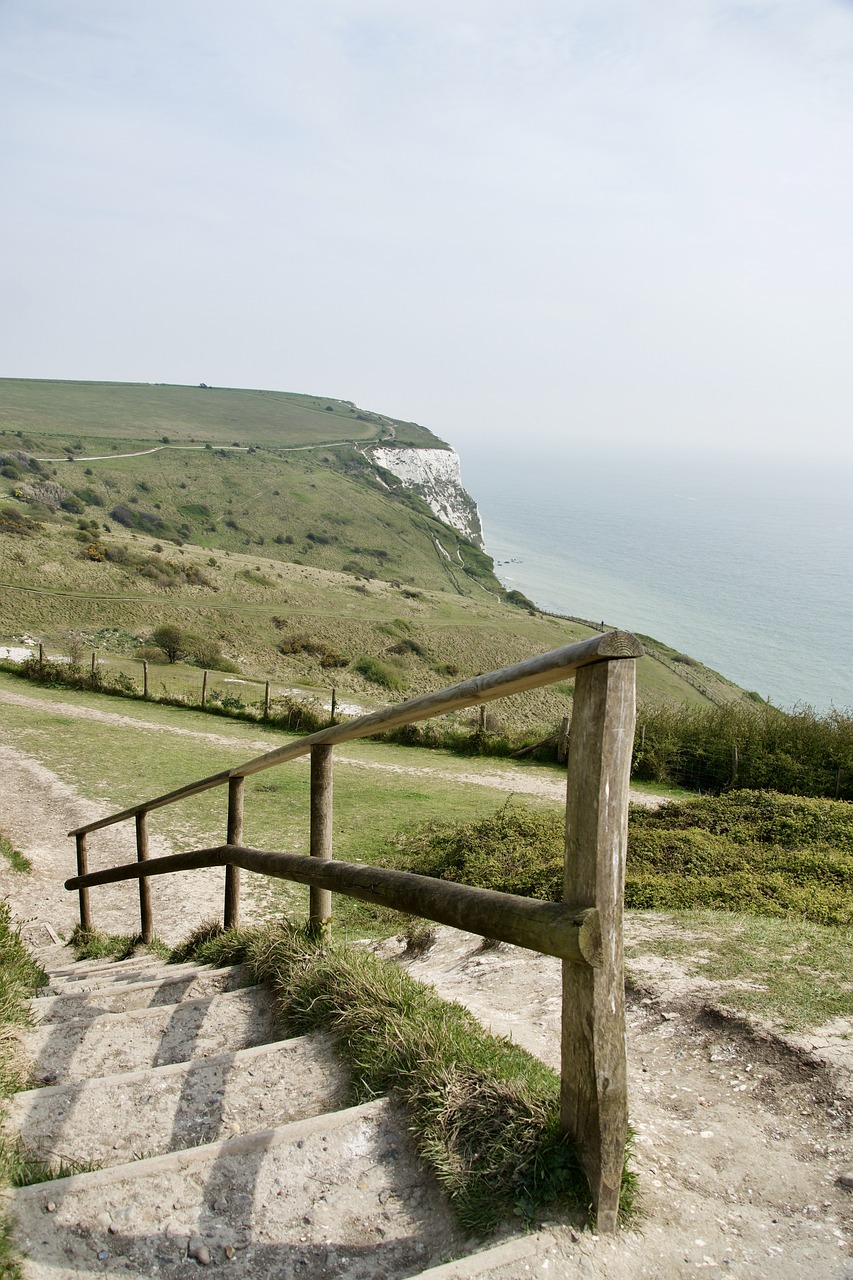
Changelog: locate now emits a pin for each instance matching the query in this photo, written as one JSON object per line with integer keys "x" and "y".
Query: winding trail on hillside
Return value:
{"x": 509, "y": 780}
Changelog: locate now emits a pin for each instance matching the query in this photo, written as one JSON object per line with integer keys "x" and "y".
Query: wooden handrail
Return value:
{"x": 552, "y": 928}
{"x": 534, "y": 673}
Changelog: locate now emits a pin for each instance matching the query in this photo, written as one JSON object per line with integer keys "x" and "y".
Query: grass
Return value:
{"x": 790, "y": 972}
{"x": 20, "y": 978}
{"x": 484, "y": 1113}
{"x": 118, "y": 413}
{"x": 755, "y": 852}
{"x": 91, "y": 944}
{"x": 17, "y": 860}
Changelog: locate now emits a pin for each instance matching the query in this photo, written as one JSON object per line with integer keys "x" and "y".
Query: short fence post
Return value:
{"x": 594, "y": 1105}
{"x": 267, "y": 700}
{"x": 320, "y": 901}
{"x": 334, "y": 705}
{"x": 203, "y": 690}
{"x": 234, "y": 835}
{"x": 82, "y": 870}
{"x": 145, "y": 917}
{"x": 41, "y": 654}
{"x": 145, "y": 677}
{"x": 94, "y": 662}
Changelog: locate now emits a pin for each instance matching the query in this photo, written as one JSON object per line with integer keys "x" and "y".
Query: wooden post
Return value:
{"x": 234, "y": 835}
{"x": 320, "y": 902}
{"x": 145, "y": 917}
{"x": 267, "y": 700}
{"x": 145, "y": 677}
{"x": 41, "y": 654}
{"x": 334, "y": 705}
{"x": 594, "y": 1107}
{"x": 203, "y": 690}
{"x": 82, "y": 870}
{"x": 94, "y": 662}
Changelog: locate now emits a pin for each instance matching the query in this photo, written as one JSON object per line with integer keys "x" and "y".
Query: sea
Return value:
{"x": 742, "y": 561}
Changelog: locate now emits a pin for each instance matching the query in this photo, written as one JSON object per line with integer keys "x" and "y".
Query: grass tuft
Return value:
{"x": 17, "y": 860}
{"x": 20, "y": 978}
{"x": 91, "y": 944}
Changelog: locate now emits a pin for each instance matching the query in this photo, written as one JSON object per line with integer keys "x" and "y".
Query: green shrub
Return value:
{"x": 389, "y": 675}
{"x": 760, "y": 853}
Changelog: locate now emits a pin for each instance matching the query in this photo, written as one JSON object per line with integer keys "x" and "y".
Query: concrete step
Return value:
{"x": 118, "y": 972}
{"x": 510, "y": 1260}
{"x": 335, "y": 1196}
{"x": 81, "y": 1048}
{"x": 165, "y": 988}
{"x": 117, "y": 1118}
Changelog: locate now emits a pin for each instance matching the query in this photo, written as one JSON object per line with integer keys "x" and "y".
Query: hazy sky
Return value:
{"x": 591, "y": 218}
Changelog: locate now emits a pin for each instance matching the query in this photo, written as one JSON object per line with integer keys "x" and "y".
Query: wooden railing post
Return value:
{"x": 203, "y": 691}
{"x": 320, "y": 903}
{"x": 236, "y": 789}
{"x": 82, "y": 869}
{"x": 267, "y": 700}
{"x": 145, "y": 917}
{"x": 594, "y": 1104}
{"x": 145, "y": 677}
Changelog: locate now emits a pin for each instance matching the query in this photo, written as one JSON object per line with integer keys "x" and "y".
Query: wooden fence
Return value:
{"x": 584, "y": 930}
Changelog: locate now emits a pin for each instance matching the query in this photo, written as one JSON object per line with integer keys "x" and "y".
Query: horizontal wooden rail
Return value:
{"x": 534, "y": 673}
{"x": 553, "y": 928}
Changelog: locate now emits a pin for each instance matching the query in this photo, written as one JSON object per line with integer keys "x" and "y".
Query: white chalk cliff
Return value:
{"x": 435, "y": 475}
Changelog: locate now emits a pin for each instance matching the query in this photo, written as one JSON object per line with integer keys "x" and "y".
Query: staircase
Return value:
{"x": 211, "y": 1141}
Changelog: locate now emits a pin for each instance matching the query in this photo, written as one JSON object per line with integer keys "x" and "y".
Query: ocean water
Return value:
{"x": 746, "y": 563}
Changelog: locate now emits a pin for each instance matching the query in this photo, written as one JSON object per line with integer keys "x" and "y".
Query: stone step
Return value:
{"x": 82, "y": 967}
{"x": 120, "y": 972}
{"x": 117, "y": 1118}
{"x": 149, "y": 992}
{"x": 337, "y": 1196}
{"x": 82, "y": 1048}
{"x": 510, "y": 1260}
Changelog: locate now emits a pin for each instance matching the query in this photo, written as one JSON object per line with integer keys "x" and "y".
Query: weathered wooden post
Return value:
{"x": 203, "y": 690}
{"x": 267, "y": 700}
{"x": 41, "y": 654}
{"x": 145, "y": 916}
{"x": 334, "y": 705}
{"x": 320, "y": 900}
{"x": 234, "y": 835}
{"x": 145, "y": 677}
{"x": 594, "y": 1104}
{"x": 94, "y": 663}
{"x": 82, "y": 870}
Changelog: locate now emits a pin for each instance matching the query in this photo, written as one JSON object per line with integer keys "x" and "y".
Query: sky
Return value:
{"x": 507, "y": 219}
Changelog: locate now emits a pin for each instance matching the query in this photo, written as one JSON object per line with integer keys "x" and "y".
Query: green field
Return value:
{"x": 119, "y": 412}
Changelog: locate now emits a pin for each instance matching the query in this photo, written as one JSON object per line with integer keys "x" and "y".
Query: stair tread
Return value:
{"x": 166, "y": 988}
{"x": 338, "y": 1195}
{"x": 114, "y": 1042}
{"x": 182, "y": 1105}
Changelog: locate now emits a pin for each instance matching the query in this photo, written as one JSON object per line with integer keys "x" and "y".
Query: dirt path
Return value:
{"x": 506, "y": 779}
{"x": 738, "y": 1141}
{"x": 38, "y": 809}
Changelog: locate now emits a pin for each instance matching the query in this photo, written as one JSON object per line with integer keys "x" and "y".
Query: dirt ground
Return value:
{"x": 740, "y": 1138}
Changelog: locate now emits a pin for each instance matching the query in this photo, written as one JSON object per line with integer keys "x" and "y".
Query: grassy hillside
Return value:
{"x": 295, "y": 557}
{"x": 117, "y": 412}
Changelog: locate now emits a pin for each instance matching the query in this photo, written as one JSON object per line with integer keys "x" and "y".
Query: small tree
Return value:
{"x": 171, "y": 640}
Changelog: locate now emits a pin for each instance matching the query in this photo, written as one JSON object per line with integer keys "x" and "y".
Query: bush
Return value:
{"x": 758, "y": 852}
{"x": 387, "y": 674}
